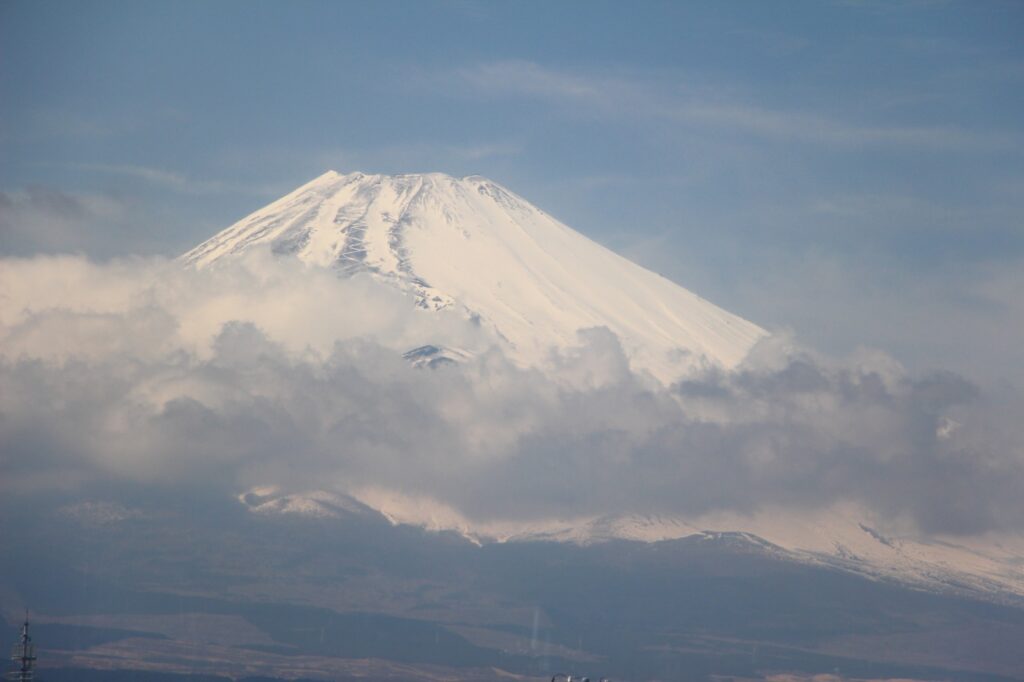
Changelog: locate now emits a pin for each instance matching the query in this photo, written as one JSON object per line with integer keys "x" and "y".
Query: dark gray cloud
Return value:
{"x": 140, "y": 372}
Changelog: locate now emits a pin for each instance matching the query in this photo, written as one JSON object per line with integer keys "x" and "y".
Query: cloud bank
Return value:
{"x": 140, "y": 372}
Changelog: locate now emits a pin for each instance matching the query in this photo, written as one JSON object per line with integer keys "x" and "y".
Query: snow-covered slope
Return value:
{"x": 269, "y": 500}
{"x": 844, "y": 537}
{"x": 841, "y": 537}
{"x": 472, "y": 245}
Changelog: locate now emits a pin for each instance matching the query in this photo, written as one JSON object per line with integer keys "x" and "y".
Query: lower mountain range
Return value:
{"x": 203, "y": 587}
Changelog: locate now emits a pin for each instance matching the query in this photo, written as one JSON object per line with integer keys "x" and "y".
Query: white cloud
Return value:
{"x": 271, "y": 373}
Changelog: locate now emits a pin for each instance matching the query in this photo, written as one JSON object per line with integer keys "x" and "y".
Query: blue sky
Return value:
{"x": 853, "y": 171}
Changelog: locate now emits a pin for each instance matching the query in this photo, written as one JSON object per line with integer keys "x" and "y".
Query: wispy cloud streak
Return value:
{"x": 167, "y": 179}
{"x": 633, "y": 96}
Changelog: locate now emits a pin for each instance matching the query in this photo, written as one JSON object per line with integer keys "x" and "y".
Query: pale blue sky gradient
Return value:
{"x": 851, "y": 170}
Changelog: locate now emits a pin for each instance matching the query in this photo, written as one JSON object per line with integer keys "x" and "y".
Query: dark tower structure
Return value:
{"x": 24, "y": 655}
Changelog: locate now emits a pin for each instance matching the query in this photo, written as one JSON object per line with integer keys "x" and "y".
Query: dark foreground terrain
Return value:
{"x": 203, "y": 590}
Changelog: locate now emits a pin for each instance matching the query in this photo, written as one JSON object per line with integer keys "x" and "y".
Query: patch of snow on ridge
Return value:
{"x": 269, "y": 500}
{"x": 471, "y": 245}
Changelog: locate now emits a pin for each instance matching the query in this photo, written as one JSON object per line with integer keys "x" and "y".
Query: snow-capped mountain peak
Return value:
{"x": 471, "y": 245}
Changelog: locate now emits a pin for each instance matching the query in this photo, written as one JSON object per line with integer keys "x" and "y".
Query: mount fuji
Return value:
{"x": 473, "y": 246}
{"x": 470, "y": 246}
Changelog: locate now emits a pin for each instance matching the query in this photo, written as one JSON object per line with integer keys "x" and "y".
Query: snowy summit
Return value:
{"x": 472, "y": 245}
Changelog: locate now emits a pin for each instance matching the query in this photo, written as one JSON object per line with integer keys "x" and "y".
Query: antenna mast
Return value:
{"x": 24, "y": 654}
